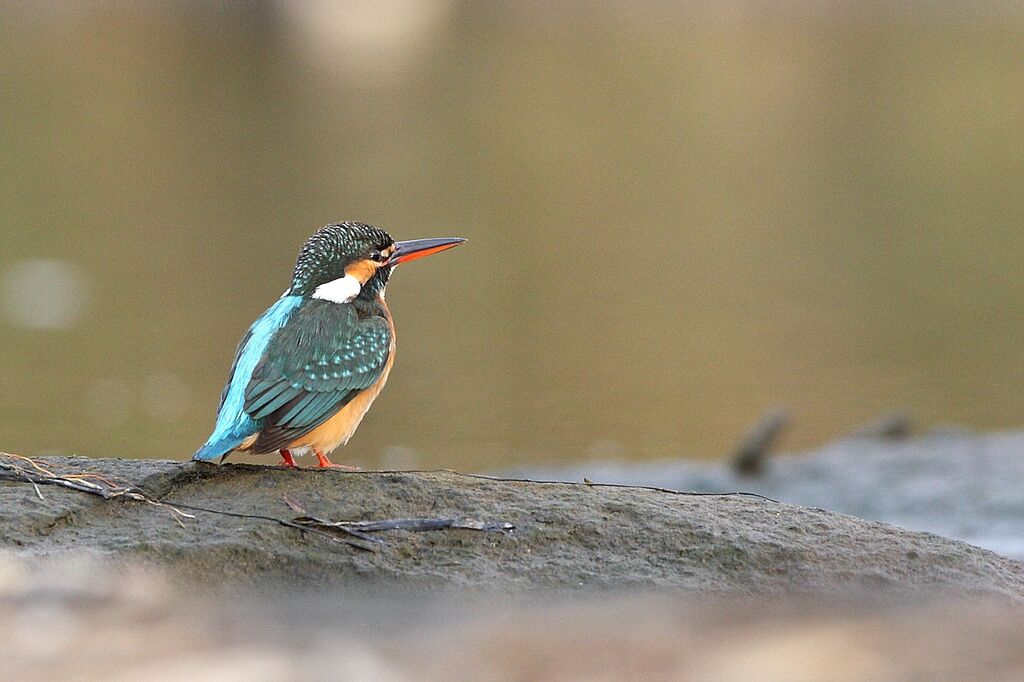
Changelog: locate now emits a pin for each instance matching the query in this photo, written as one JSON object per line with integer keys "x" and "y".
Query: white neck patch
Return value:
{"x": 341, "y": 290}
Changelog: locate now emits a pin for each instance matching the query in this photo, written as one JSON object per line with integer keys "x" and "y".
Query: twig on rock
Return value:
{"x": 35, "y": 486}
{"x": 425, "y": 524}
{"x": 23, "y": 469}
{"x": 361, "y": 529}
{"x": 587, "y": 483}
{"x": 282, "y": 522}
{"x": 27, "y": 469}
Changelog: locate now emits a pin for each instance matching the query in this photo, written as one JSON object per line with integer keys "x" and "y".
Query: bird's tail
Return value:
{"x": 213, "y": 449}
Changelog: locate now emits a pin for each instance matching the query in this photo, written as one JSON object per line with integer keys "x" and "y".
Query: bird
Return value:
{"x": 310, "y": 366}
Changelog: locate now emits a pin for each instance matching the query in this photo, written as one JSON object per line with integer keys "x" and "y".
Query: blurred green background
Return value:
{"x": 678, "y": 216}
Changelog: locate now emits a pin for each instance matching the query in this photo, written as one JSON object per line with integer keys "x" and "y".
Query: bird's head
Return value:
{"x": 346, "y": 260}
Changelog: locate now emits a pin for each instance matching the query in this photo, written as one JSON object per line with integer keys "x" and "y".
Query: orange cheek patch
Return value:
{"x": 362, "y": 270}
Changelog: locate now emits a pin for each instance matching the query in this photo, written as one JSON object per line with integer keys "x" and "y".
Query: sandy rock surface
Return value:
{"x": 565, "y": 535}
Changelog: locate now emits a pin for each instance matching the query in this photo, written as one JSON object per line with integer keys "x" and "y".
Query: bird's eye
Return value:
{"x": 377, "y": 256}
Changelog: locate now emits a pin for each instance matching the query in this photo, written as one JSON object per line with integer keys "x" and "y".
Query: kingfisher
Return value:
{"x": 308, "y": 368}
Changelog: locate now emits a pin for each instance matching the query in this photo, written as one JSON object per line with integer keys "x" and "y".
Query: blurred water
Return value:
{"x": 37, "y": 293}
{"x": 676, "y": 217}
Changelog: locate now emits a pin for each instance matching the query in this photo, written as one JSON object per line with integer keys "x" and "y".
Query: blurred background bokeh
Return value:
{"x": 678, "y": 214}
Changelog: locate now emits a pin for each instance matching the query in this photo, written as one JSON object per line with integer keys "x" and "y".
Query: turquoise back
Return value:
{"x": 233, "y": 424}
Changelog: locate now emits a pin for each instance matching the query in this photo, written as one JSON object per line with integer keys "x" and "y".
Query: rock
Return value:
{"x": 958, "y": 484}
{"x": 565, "y": 536}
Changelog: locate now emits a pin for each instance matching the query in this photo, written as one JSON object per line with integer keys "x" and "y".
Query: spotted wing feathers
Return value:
{"x": 318, "y": 362}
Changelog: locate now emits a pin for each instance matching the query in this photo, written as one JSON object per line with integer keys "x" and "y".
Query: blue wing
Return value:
{"x": 233, "y": 424}
{"x": 324, "y": 356}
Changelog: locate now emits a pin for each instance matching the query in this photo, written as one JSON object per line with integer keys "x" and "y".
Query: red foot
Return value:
{"x": 327, "y": 464}
{"x": 286, "y": 459}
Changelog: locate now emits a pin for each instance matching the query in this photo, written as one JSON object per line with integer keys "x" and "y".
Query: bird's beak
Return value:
{"x": 418, "y": 248}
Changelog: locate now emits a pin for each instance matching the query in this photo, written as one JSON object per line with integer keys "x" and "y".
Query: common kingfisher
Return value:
{"x": 310, "y": 366}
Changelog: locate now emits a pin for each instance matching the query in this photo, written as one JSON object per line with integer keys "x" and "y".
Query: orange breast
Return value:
{"x": 339, "y": 428}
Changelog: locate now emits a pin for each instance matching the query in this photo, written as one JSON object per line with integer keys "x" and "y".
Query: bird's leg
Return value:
{"x": 328, "y": 464}
{"x": 286, "y": 459}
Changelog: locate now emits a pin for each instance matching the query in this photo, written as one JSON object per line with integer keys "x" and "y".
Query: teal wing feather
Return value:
{"x": 316, "y": 364}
